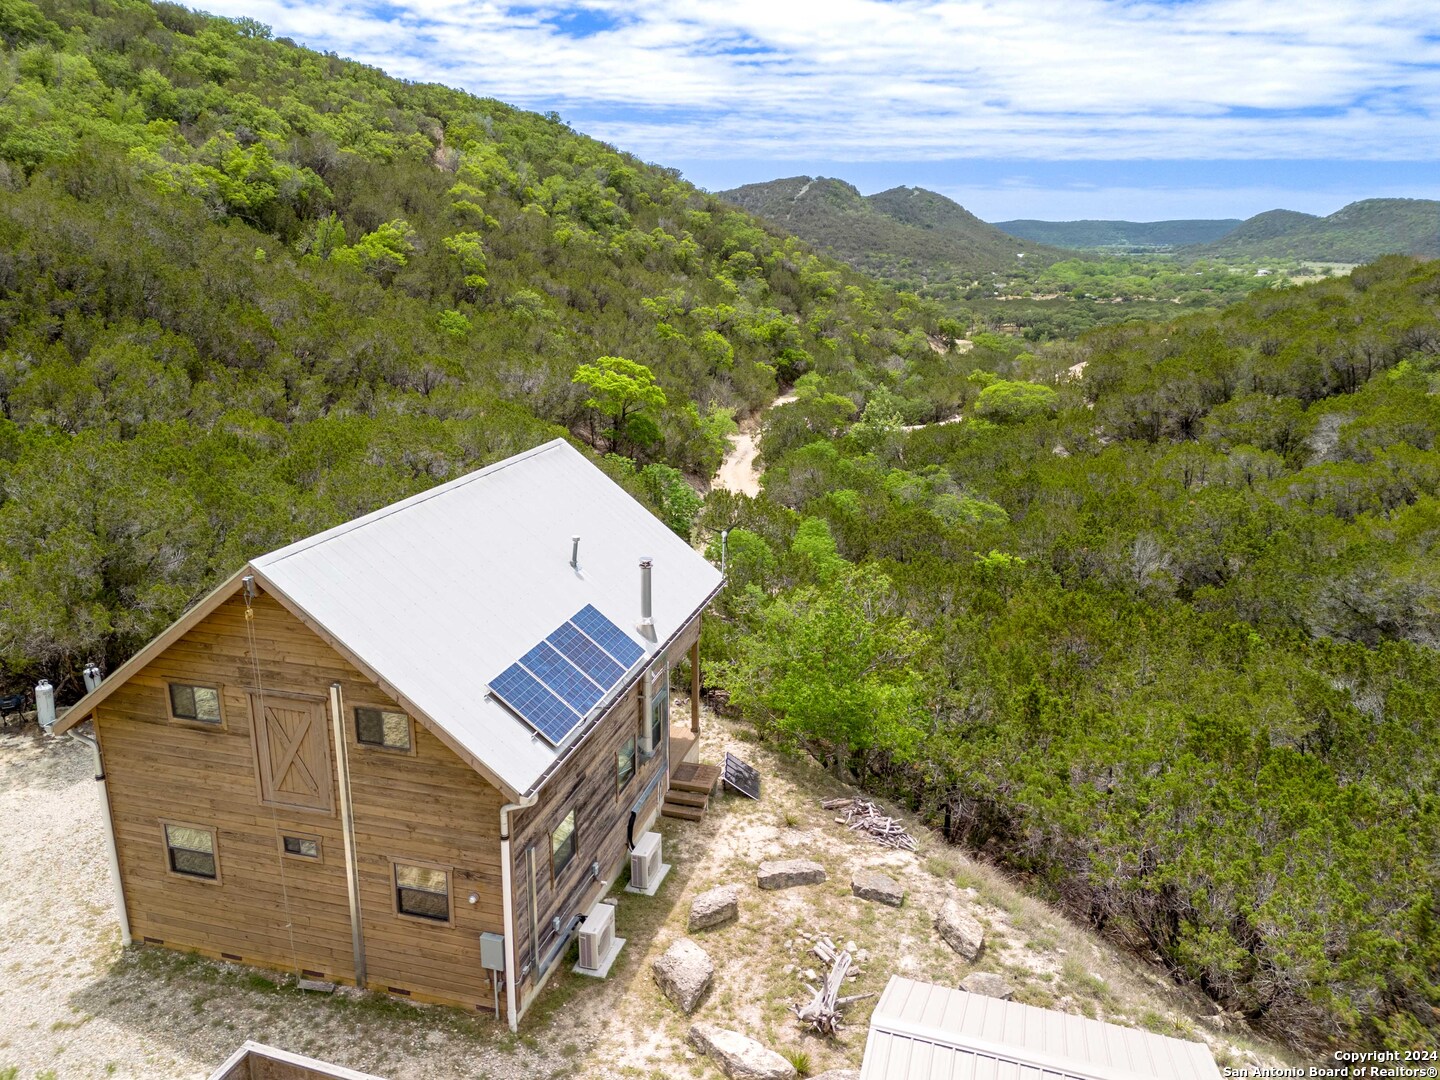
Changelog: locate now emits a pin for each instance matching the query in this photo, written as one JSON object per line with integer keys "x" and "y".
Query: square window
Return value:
{"x": 200, "y": 704}
{"x": 191, "y": 851}
{"x": 422, "y": 891}
{"x": 303, "y": 847}
{"x": 562, "y": 845}
{"x": 382, "y": 727}
{"x": 625, "y": 763}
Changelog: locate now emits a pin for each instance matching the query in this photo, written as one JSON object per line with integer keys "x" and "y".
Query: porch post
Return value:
{"x": 695, "y": 688}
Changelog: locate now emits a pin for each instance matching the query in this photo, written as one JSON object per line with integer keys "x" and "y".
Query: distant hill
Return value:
{"x": 1356, "y": 233}
{"x": 1121, "y": 235}
{"x": 908, "y": 236}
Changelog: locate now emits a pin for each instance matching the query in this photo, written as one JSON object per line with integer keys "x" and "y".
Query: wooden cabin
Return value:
{"x": 409, "y": 753}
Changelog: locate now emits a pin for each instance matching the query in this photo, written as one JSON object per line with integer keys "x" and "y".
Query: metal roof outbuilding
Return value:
{"x": 920, "y": 1031}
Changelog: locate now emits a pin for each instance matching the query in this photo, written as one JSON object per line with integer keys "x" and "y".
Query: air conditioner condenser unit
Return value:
{"x": 647, "y": 870}
{"x": 598, "y": 944}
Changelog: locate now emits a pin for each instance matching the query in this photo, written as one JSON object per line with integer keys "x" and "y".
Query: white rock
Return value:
{"x": 983, "y": 982}
{"x": 683, "y": 974}
{"x": 715, "y": 906}
{"x": 787, "y": 873}
{"x": 739, "y": 1056}
{"x": 870, "y": 885}
{"x": 960, "y": 930}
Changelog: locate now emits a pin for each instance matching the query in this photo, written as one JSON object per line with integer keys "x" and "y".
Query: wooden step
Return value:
{"x": 687, "y": 798}
{"x": 689, "y": 813}
{"x": 691, "y": 777}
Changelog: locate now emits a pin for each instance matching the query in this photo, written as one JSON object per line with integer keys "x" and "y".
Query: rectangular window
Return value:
{"x": 562, "y": 845}
{"x": 191, "y": 851}
{"x": 198, "y": 704}
{"x": 301, "y": 847}
{"x": 422, "y": 891}
{"x": 625, "y": 763}
{"x": 382, "y": 727}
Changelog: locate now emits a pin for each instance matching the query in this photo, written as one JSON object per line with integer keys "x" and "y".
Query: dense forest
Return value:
{"x": 1160, "y": 637}
{"x": 248, "y": 291}
{"x": 1158, "y": 632}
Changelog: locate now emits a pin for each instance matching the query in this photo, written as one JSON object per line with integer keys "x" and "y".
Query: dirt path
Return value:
{"x": 738, "y": 472}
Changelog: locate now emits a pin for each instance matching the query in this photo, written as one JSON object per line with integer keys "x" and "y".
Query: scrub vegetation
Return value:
{"x": 1152, "y": 624}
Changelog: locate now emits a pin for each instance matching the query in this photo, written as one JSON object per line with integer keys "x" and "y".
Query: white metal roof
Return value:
{"x": 920, "y": 1031}
{"x": 439, "y": 593}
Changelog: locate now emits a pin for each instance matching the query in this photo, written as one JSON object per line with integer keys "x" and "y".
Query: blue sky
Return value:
{"x": 1016, "y": 108}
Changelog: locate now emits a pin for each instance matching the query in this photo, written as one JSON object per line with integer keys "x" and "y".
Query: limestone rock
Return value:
{"x": 683, "y": 974}
{"x": 739, "y": 1056}
{"x": 869, "y": 885}
{"x": 787, "y": 873}
{"x": 960, "y": 930}
{"x": 982, "y": 982}
{"x": 715, "y": 906}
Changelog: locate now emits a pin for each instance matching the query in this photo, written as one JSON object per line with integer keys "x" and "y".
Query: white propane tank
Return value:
{"x": 45, "y": 704}
{"x": 92, "y": 677}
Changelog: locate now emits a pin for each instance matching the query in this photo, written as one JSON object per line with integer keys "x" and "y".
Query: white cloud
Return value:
{"x": 926, "y": 79}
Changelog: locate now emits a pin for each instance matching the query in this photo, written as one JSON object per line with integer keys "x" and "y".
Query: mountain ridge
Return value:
{"x": 915, "y": 238}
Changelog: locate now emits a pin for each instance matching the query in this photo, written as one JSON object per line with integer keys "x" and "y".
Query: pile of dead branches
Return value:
{"x": 823, "y": 1010}
{"x": 863, "y": 816}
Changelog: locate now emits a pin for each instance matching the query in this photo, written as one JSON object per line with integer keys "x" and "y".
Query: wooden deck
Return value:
{"x": 690, "y": 787}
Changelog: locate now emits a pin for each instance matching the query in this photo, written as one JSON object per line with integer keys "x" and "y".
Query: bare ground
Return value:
{"x": 77, "y": 1005}
{"x": 739, "y": 472}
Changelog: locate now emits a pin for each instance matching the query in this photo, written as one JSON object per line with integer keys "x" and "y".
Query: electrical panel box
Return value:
{"x": 492, "y": 951}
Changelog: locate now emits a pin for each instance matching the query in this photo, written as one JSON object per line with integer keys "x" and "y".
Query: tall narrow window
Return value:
{"x": 382, "y": 727}
{"x": 191, "y": 851}
{"x": 659, "y": 712}
{"x": 197, "y": 704}
{"x": 562, "y": 845}
{"x": 422, "y": 891}
{"x": 625, "y": 763}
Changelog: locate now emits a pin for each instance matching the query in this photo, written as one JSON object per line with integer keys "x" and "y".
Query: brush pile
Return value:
{"x": 864, "y": 816}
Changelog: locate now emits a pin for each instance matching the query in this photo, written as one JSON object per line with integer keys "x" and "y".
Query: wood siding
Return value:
{"x": 424, "y": 806}
{"x": 586, "y": 783}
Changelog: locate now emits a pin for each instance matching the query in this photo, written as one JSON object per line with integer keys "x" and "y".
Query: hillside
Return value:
{"x": 1356, "y": 233}
{"x": 248, "y": 291}
{"x": 1149, "y": 619}
{"x": 1120, "y": 235}
{"x": 910, "y": 237}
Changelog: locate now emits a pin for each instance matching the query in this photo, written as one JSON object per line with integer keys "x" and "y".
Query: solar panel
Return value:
{"x": 607, "y": 635}
{"x": 539, "y": 708}
{"x": 561, "y": 677}
{"x": 559, "y": 681}
{"x": 740, "y": 776}
{"x": 586, "y": 655}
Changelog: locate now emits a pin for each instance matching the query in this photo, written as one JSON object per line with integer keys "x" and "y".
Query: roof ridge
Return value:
{"x": 271, "y": 558}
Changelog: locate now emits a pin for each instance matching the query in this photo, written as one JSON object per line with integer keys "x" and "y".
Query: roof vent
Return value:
{"x": 647, "y": 614}
{"x": 575, "y": 553}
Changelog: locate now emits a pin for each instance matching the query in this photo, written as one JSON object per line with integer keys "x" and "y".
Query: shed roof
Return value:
{"x": 435, "y": 595}
{"x": 920, "y": 1031}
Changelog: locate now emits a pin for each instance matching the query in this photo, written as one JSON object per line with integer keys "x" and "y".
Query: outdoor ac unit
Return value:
{"x": 597, "y": 936}
{"x": 645, "y": 861}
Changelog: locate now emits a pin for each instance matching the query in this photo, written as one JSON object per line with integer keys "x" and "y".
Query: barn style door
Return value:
{"x": 292, "y": 752}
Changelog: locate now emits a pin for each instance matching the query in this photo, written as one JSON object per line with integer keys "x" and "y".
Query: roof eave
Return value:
{"x": 87, "y": 705}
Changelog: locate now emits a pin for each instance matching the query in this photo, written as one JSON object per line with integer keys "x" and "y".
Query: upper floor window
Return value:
{"x": 198, "y": 704}
{"x": 382, "y": 727}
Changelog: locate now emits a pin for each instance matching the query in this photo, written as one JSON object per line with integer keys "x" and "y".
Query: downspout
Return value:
{"x": 115, "y": 882}
{"x": 507, "y": 905}
{"x": 347, "y": 824}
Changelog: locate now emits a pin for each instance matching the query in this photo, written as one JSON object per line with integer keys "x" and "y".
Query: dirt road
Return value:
{"x": 738, "y": 472}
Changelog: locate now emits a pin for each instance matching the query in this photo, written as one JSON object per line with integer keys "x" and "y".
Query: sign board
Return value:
{"x": 738, "y": 776}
